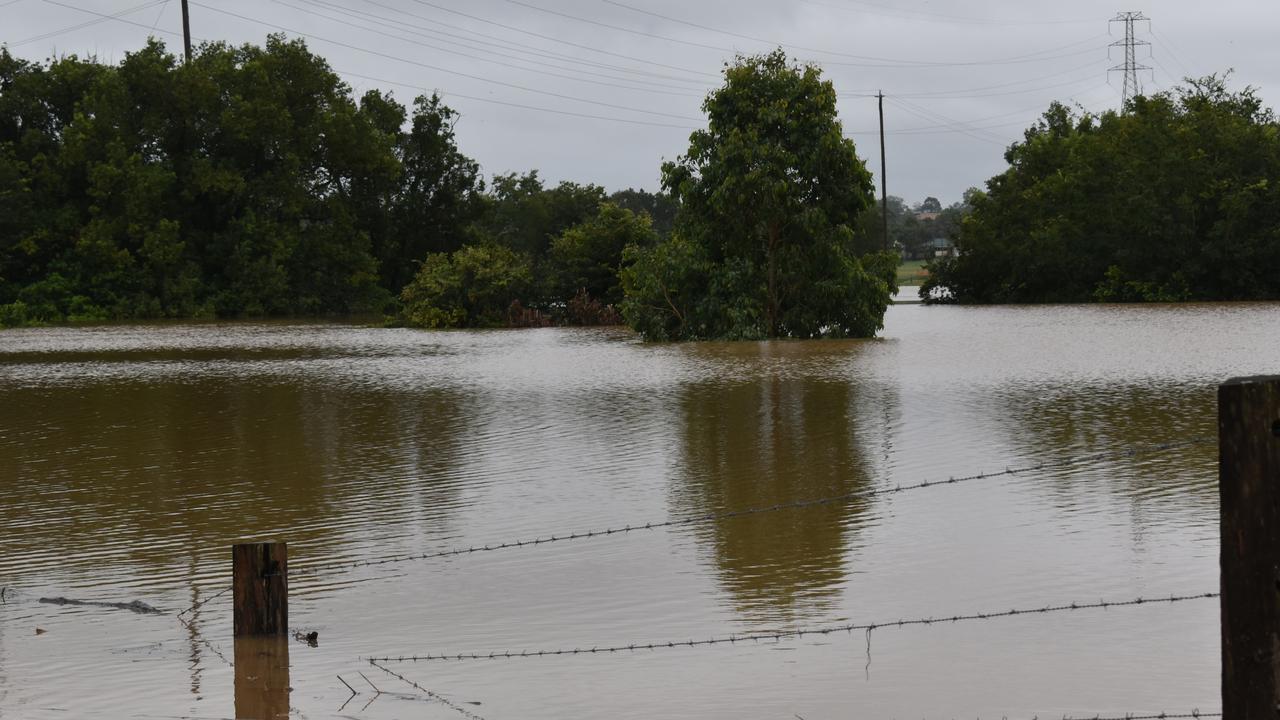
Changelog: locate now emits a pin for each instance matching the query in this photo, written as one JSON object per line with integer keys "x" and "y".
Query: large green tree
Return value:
{"x": 769, "y": 195}
{"x": 437, "y": 199}
{"x": 1176, "y": 198}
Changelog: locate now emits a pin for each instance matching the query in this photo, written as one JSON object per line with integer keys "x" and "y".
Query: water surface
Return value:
{"x": 132, "y": 457}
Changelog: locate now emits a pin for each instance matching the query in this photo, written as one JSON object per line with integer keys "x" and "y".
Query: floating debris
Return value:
{"x": 136, "y": 606}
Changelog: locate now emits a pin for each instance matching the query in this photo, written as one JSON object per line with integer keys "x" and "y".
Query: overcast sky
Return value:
{"x": 602, "y": 91}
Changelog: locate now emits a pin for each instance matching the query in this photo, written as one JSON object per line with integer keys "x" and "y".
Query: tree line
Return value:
{"x": 1176, "y": 198}
{"x": 250, "y": 182}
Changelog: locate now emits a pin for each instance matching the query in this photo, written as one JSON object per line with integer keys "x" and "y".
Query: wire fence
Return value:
{"x": 201, "y": 603}
{"x": 789, "y": 634}
{"x": 1131, "y": 451}
{"x": 195, "y": 632}
{"x": 756, "y": 637}
{"x": 432, "y": 695}
{"x": 1137, "y": 716}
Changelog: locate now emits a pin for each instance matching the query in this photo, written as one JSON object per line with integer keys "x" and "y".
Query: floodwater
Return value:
{"x": 132, "y": 457}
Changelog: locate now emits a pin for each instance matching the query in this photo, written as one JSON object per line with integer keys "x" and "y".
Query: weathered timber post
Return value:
{"x": 260, "y": 589}
{"x": 1249, "y": 490}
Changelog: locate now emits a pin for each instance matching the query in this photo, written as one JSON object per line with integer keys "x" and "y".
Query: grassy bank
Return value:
{"x": 912, "y": 272}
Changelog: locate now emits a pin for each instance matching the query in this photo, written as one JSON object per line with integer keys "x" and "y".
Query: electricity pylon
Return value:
{"x": 1130, "y": 66}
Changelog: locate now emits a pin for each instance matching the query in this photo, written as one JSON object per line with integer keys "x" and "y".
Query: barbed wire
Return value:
{"x": 201, "y": 603}
{"x": 199, "y": 637}
{"x": 788, "y": 634}
{"x": 1137, "y": 716}
{"x": 434, "y": 696}
{"x": 1131, "y": 451}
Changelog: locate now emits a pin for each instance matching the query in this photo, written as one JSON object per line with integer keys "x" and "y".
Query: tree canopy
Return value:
{"x": 1176, "y": 198}
{"x": 769, "y": 195}
{"x": 246, "y": 182}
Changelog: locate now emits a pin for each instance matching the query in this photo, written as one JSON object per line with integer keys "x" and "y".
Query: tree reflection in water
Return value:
{"x": 788, "y": 434}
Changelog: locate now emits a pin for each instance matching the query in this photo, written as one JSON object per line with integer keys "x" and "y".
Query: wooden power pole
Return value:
{"x": 884, "y": 183}
{"x": 1249, "y": 490}
{"x": 186, "y": 30}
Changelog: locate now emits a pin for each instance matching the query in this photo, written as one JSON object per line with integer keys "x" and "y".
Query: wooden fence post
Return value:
{"x": 1249, "y": 490}
{"x": 260, "y": 589}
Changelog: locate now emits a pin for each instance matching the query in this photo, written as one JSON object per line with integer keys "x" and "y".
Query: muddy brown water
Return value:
{"x": 132, "y": 457}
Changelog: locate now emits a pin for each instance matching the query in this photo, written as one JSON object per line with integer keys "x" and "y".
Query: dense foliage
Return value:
{"x": 1177, "y": 198}
{"x": 495, "y": 282}
{"x": 475, "y": 286}
{"x": 769, "y": 196}
{"x": 246, "y": 182}
{"x": 251, "y": 182}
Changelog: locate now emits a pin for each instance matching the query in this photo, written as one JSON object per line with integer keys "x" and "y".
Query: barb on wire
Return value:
{"x": 434, "y": 696}
{"x": 787, "y": 634}
{"x": 797, "y": 505}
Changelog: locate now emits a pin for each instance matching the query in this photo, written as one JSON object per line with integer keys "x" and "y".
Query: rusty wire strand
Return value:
{"x": 799, "y": 504}
{"x": 787, "y": 634}
{"x": 432, "y": 695}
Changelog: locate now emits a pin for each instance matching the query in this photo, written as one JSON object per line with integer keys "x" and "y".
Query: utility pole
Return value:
{"x": 186, "y": 30}
{"x": 884, "y": 184}
{"x": 1130, "y": 66}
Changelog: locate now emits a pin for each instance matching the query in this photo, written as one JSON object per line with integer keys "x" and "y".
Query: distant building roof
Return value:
{"x": 927, "y": 215}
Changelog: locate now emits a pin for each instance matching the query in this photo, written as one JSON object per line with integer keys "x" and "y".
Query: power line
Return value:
{"x": 1167, "y": 44}
{"x": 159, "y": 15}
{"x": 865, "y": 61}
{"x": 409, "y": 85}
{"x": 668, "y": 18}
{"x": 917, "y": 15}
{"x": 1092, "y": 64}
{"x": 570, "y": 113}
{"x": 956, "y": 125}
{"x": 471, "y": 36}
{"x": 117, "y": 17}
{"x": 796, "y": 505}
{"x": 550, "y": 38}
{"x": 79, "y": 26}
{"x": 799, "y": 633}
{"x": 970, "y": 124}
{"x": 617, "y": 82}
{"x": 438, "y": 68}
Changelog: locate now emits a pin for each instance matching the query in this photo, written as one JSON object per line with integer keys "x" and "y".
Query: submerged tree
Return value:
{"x": 769, "y": 196}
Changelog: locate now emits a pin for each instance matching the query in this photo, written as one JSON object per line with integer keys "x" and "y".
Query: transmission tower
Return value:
{"x": 1130, "y": 66}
